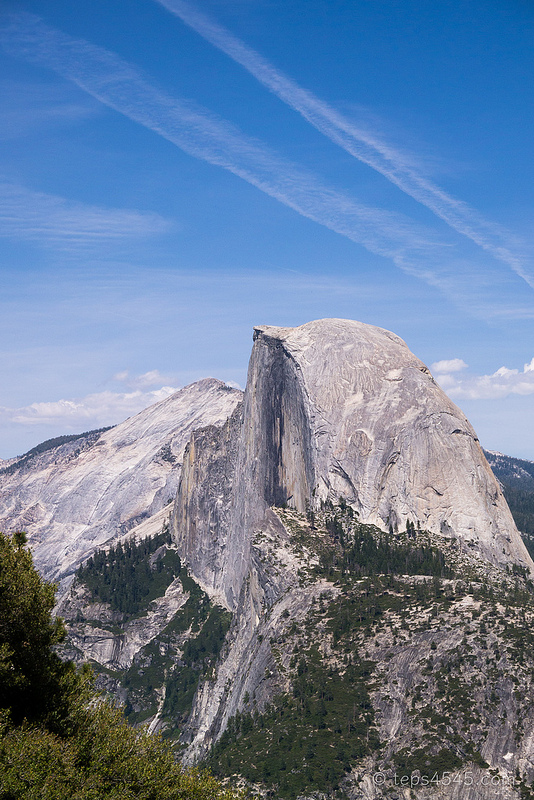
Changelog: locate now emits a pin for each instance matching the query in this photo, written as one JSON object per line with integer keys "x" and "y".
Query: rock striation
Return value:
{"x": 337, "y": 409}
{"x": 84, "y": 494}
{"x": 94, "y": 641}
{"x": 344, "y": 513}
{"x": 333, "y": 411}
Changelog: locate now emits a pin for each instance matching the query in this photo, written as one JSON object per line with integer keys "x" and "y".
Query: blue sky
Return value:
{"x": 173, "y": 173}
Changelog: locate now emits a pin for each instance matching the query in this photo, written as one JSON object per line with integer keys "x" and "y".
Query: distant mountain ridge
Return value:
{"x": 26, "y": 460}
{"x": 90, "y": 489}
{"x": 333, "y": 587}
{"x": 516, "y": 477}
{"x": 516, "y": 472}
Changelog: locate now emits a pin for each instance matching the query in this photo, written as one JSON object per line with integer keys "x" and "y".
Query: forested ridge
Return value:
{"x": 126, "y": 577}
{"x": 24, "y": 461}
{"x": 516, "y": 477}
{"x": 398, "y": 593}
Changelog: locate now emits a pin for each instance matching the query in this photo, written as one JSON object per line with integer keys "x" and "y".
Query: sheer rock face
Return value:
{"x": 333, "y": 409}
{"x": 204, "y": 513}
{"x": 383, "y": 435}
{"x": 75, "y": 498}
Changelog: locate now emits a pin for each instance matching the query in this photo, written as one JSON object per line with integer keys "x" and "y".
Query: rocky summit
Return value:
{"x": 337, "y": 409}
{"x": 78, "y": 495}
{"x": 316, "y": 585}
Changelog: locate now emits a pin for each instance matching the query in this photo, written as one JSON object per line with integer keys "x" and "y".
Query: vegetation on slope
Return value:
{"x": 305, "y": 740}
{"x": 57, "y": 739}
{"x": 175, "y": 661}
{"x": 51, "y": 444}
{"x": 464, "y": 627}
{"x": 517, "y": 480}
{"x": 126, "y": 577}
{"x": 417, "y": 625}
{"x": 308, "y": 739}
{"x": 521, "y": 503}
{"x": 129, "y": 577}
{"x": 515, "y": 472}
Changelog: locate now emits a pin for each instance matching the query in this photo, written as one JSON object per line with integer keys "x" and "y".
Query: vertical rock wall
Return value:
{"x": 205, "y": 509}
{"x": 332, "y": 409}
{"x": 385, "y": 437}
{"x": 280, "y": 447}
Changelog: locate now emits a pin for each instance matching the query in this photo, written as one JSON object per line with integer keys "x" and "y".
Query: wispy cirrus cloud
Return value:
{"x": 54, "y": 221}
{"x": 29, "y": 107}
{"x": 203, "y": 135}
{"x": 502, "y": 383}
{"x": 368, "y": 147}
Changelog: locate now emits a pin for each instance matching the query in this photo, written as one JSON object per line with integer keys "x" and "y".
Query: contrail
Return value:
{"x": 359, "y": 143}
{"x": 199, "y": 133}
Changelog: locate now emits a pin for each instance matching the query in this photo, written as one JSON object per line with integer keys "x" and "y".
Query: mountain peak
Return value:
{"x": 86, "y": 493}
{"x": 338, "y": 409}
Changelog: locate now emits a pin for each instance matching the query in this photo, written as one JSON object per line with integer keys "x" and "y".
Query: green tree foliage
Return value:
{"x": 124, "y": 576}
{"x": 199, "y": 654}
{"x": 358, "y": 550}
{"x": 58, "y": 740}
{"x": 128, "y": 577}
{"x": 35, "y": 685}
{"x": 517, "y": 480}
{"x": 105, "y": 758}
{"x": 307, "y": 740}
{"x": 207, "y": 626}
{"x": 521, "y": 503}
{"x": 514, "y": 472}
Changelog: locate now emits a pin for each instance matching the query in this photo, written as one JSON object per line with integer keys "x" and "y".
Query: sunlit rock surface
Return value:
{"x": 337, "y": 408}
{"x": 333, "y": 410}
{"x": 381, "y": 433}
{"x": 75, "y": 498}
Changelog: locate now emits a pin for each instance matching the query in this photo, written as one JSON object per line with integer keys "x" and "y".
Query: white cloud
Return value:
{"x": 65, "y": 224}
{"x": 501, "y": 383}
{"x": 504, "y": 372}
{"x": 370, "y": 148}
{"x": 93, "y": 411}
{"x": 152, "y": 378}
{"x": 452, "y": 365}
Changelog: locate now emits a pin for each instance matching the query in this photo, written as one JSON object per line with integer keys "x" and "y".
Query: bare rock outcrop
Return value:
{"x": 382, "y": 434}
{"x": 89, "y": 626}
{"x": 344, "y": 513}
{"x": 82, "y": 495}
{"x": 337, "y": 408}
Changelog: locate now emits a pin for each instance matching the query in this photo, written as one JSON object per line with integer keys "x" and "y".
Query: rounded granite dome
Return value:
{"x": 380, "y": 432}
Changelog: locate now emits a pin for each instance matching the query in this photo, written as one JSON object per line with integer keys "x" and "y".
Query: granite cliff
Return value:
{"x": 337, "y": 409}
{"x": 85, "y": 493}
{"x": 338, "y": 601}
